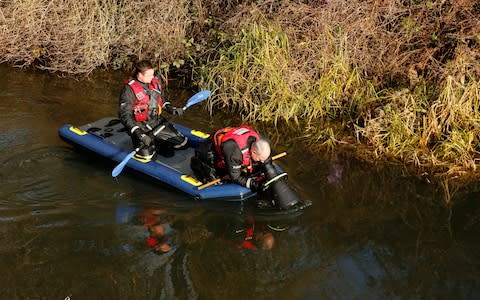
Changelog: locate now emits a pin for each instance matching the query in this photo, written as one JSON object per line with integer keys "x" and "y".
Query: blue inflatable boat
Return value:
{"x": 108, "y": 138}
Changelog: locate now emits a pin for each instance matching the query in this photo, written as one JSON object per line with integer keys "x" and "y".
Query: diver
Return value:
{"x": 242, "y": 156}
{"x": 234, "y": 151}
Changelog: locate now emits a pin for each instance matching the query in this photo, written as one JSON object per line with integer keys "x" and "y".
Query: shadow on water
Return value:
{"x": 68, "y": 228}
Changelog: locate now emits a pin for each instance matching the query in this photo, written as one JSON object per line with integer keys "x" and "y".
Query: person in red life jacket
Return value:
{"x": 237, "y": 152}
{"x": 141, "y": 103}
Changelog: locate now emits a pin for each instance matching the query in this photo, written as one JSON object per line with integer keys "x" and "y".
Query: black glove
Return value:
{"x": 143, "y": 137}
{"x": 254, "y": 185}
{"x": 177, "y": 111}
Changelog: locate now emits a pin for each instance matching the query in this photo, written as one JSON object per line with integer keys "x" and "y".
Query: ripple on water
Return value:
{"x": 37, "y": 186}
{"x": 37, "y": 176}
{"x": 13, "y": 137}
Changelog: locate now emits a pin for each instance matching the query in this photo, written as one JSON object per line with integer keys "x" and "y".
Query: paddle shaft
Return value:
{"x": 218, "y": 180}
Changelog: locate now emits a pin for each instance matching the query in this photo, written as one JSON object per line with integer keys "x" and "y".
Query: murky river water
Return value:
{"x": 69, "y": 229}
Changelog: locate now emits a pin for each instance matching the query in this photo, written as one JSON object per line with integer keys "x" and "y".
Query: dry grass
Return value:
{"x": 78, "y": 36}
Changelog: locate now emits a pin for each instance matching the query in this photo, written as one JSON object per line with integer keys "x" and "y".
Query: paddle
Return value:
{"x": 213, "y": 182}
{"x": 198, "y": 97}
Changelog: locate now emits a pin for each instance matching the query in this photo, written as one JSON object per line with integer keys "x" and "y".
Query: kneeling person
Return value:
{"x": 238, "y": 152}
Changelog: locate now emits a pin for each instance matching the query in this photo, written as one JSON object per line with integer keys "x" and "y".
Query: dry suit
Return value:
{"x": 228, "y": 153}
{"x": 140, "y": 108}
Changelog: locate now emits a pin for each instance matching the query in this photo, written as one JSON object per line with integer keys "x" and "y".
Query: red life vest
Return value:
{"x": 240, "y": 136}
{"x": 141, "y": 106}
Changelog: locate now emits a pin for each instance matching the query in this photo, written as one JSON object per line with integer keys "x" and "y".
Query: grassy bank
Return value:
{"x": 399, "y": 78}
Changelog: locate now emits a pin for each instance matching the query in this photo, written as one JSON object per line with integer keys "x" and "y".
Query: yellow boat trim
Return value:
{"x": 77, "y": 130}
{"x": 142, "y": 160}
{"x": 191, "y": 180}
{"x": 200, "y": 134}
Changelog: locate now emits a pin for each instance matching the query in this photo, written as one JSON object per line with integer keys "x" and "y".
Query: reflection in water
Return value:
{"x": 157, "y": 222}
{"x": 336, "y": 170}
{"x": 243, "y": 233}
{"x": 68, "y": 228}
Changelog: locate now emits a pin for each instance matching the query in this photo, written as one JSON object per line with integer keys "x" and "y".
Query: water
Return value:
{"x": 69, "y": 229}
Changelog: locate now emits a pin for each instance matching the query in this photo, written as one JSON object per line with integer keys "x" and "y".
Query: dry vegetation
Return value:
{"x": 401, "y": 76}
{"x": 79, "y": 36}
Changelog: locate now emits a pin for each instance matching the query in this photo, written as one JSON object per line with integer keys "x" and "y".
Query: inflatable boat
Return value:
{"x": 108, "y": 138}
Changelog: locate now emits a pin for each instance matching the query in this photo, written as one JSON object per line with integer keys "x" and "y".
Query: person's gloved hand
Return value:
{"x": 177, "y": 111}
{"x": 253, "y": 184}
{"x": 142, "y": 136}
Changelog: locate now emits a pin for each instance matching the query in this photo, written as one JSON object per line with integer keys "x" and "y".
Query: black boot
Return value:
{"x": 146, "y": 153}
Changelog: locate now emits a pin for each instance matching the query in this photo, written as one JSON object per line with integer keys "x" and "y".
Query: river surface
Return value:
{"x": 68, "y": 229}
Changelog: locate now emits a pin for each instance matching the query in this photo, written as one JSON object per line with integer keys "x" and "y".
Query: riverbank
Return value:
{"x": 393, "y": 80}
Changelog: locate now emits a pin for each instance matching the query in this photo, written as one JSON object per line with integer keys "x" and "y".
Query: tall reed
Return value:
{"x": 258, "y": 76}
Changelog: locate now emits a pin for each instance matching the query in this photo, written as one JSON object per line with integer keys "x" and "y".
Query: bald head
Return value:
{"x": 260, "y": 150}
